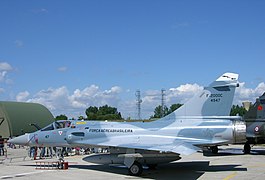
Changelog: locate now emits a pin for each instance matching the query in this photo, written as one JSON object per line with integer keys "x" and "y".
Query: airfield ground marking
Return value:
{"x": 230, "y": 176}
{"x": 235, "y": 173}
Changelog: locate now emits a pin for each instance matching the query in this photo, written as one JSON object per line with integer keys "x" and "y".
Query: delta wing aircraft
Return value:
{"x": 203, "y": 121}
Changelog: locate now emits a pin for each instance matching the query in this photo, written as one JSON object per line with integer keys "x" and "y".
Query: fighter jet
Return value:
{"x": 255, "y": 121}
{"x": 201, "y": 122}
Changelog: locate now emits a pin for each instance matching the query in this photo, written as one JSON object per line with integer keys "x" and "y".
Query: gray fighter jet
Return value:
{"x": 201, "y": 122}
{"x": 255, "y": 121}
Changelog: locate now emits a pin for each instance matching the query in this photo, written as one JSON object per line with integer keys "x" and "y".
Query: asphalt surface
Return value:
{"x": 229, "y": 163}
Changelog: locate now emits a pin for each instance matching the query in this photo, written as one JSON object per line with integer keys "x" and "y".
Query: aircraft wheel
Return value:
{"x": 247, "y": 148}
{"x": 136, "y": 169}
{"x": 214, "y": 149}
{"x": 152, "y": 166}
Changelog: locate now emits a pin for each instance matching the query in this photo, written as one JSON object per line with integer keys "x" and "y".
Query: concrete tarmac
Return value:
{"x": 230, "y": 163}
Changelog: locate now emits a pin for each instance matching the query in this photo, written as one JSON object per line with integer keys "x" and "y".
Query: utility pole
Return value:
{"x": 138, "y": 103}
{"x": 163, "y": 94}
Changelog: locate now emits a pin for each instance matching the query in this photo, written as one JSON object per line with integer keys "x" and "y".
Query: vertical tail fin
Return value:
{"x": 215, "y": 100}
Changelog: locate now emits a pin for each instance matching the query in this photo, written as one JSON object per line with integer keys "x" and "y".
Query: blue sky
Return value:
{"x": 71, "y": 54}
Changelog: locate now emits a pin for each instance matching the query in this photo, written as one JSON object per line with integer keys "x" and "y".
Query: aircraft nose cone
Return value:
{"x": 20, "y": 140}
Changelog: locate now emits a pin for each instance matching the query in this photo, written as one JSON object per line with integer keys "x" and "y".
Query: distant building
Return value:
{"x": 16, "y": 117}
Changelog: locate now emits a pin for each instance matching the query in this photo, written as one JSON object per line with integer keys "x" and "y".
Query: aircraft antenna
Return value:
{"x": 163, "y": 96}
{"x": 138, "y": 103}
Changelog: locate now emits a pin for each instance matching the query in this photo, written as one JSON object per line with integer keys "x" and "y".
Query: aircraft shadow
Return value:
{"x": 181, "y": 170}
{"x": 257, "y": 151}
{"x": 233, "y": 152}
{"x": 224, "y": 152}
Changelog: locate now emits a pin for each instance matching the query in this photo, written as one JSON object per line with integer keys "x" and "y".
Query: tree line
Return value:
{"x": 103, "y": 113}
{"x": 97, "y": 113}
{"x": 163, "y": 111}
{"x": 111, "y": 113}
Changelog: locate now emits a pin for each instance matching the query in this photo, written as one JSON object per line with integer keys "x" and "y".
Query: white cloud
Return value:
{"x": 183, "y": 93}
{"x": 61, "y": 101}
{"x": 181, "y": 25}
{"x": 248, "y": 94}
{"x": 260, "y": 89}
{"x": 19, "y": 43}
{"x": 2, "y": 90}
{"x": 43, "y": 10}
{"x": 40, "y": 11}
{"x": 4, "y": 66}
{"x": 22, "y": 96}
{"x": 62, "y": 69}
{"x": 2, "y": 75}
{"x": 92, "y": 95}
{"x": 4, "y": 69}
{"x": 152, "y": 98}
{"x": 115, "y": 90}
{"x": 53, "y": 99}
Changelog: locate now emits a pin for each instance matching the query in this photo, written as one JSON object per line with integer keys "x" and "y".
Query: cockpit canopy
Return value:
{"x": 57, "y": 125}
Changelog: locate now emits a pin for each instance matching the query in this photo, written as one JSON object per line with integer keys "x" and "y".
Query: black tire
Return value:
{"x": 247, "y": 148}
{"x": 214, "y": 149}
{"x": 136, "y": 169}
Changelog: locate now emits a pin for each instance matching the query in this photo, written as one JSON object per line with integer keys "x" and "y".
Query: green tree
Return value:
{"x": 174, "y": 107}
{"x": 91, "y": 112}
{"x": 104, "y": 110}
{"x": 103, "y": 113}
{"x": 92, "y": 109}
{"x": 237, "y": 110}
{"x": 61, "y": 117}
{"x": 81, "y": 118}
{"x": 159, "y": 112}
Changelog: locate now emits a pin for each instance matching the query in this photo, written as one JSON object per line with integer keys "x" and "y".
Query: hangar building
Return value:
{"x": 16, "y": 117}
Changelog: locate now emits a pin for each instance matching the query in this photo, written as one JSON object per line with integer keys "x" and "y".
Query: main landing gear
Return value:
{"x": 214, "y": 149}
{"x": 247, "y": 148}
{"x": 136, "y": 169}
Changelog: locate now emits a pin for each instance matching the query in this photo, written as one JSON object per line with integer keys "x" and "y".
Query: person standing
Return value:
{"x": 2, "y": 141}
{"x": 32, "y": 152}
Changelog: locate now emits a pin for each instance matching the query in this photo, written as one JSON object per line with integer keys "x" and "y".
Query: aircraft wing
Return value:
{"x": 147, "y": 142}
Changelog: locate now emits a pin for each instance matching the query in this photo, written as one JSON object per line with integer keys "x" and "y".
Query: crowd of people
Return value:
{"x": 45, "y": 152}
